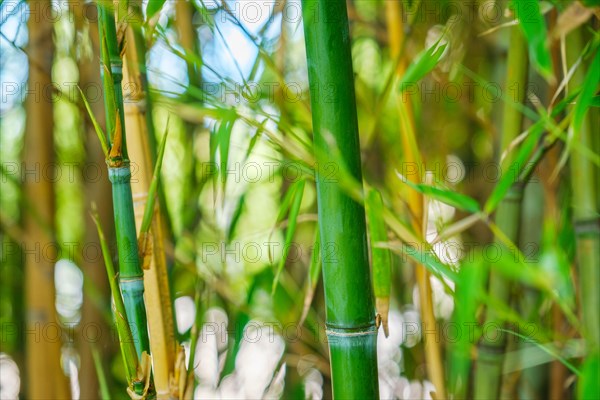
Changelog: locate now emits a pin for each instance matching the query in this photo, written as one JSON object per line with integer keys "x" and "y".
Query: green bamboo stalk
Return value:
{"x": 585, "y": 213}
{"x": 488, "y": 373}
{"x": 119, "y": 173}
{"x": 587, "y": 224}
{"x": 350, "y": 312}
{"x": 137, "y": 373}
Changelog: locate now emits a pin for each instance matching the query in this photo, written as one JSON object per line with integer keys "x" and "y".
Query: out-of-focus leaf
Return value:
{"x": 154, "y": 6}
{"x": 236, "y": 217}
{"x": 423, "y": 64}
{"x": 97, "y": 128}
{"x": 144, "y": 238}
{"x": 534, "y": 27}
{"x": 511, "y": 172}
{"x": 454, "y": 199}
{"x": 381, "y": 262}
{"x": 149, "y": 209}
{"x": 424, "y": 257}
{"x": 555, "y": 263}
{"x": 469, "y": 286}
{"x": 591, "y": 3}
{"x": 291, "y": 228}
{"x": 588, "y": 92}
{"x": 570, "y": 19}
{"x": 314, "y": 272}
{"x": 589, "y": 384}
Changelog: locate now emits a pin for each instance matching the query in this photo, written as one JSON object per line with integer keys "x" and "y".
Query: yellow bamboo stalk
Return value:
{"x": 43, "y": 376}
{"x": 187, "y": 35}
{"x": 412, "y": 159}
{"x": 157, "y": 294}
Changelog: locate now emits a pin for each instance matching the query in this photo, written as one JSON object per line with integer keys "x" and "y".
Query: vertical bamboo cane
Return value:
{"x": 585, "y": 215}
{"x": 119, "y": 173}
{"x": 350, "y": 311}
{"x": 139, "y": 127}
{"x": 488, "y": 373}
{"x": 44, "y": 375}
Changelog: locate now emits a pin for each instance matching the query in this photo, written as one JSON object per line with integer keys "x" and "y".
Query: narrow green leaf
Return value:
{"x": 469, "y": 286}
{"x": 587, "y": 96}
{"x": 546, "y": 349}
{"x": 154, "y": 6}
{"x": 291, "y": 229}
{"x": 533, "y": 25}
{"x": 125, "y": 337}
{"x": 149, "y": 210}
{"x": 588, "y": 387}
{"x": 423, "y": 64}
{"x": 236, "y": 216}
{"x": 97, "y": 128}
{"x": 102, "y": 382}
{"x": 381, "y": 261}
{"x": 426, "y": 257}
{"x": 511, "y": 172}
{"x": 454, "y": 199}
{"x": 314, "y": 272}
{"x": 224, "y": 140}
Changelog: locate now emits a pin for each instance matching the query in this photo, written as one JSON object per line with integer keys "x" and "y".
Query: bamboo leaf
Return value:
{"x": 533, "y": 25}
{"x": 469, "y": 287}
{"x": 223, "y": 141}
{"x": 154, "y": 6}
{"x": 588, "y": 92}
{"x": 511, "y": 173}
{"x": 454, "y": 199}
{"x": 291, "y": 229}
{"x": 102, "y": 382}
{"x": 236, "y": 216}
{"x": 380, "y": 257}
{"x": 589, "y": 384}
{"x": 145, "y": 244}
{"x": 546, "y": 349}
{"x": 99, "y": 132}
{"x": 426, "y": 257}
{"x": 423, "y": 64}
{"x": 314, "y": 272}
{"x": 125, "y": 337}
{"x": 149, "y": 210}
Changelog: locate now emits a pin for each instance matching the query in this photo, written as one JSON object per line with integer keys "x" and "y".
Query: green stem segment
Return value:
{"x": 130, "y": 271}
{"x": 131, "y": 278}
{"x": 488, "y": 374}
{"x": 349, "y": 298}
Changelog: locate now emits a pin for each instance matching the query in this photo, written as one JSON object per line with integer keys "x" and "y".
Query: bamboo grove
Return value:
{"x": 342, "y": 199}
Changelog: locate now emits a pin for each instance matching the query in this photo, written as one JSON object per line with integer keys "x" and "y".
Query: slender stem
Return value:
{"x": 488, "y": 374}
{"x": 585, "y": 215}
{"x": 119, "y": 173}
{"x": 348, "y": 294}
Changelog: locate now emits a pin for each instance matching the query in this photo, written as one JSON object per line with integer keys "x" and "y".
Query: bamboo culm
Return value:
{"x": 119, "y": 172}
{"x": 350, "y": 310}
{"x": 490, "y": 355}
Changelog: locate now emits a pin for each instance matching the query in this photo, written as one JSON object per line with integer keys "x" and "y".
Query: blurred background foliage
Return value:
{"x": 228, "y": 81}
